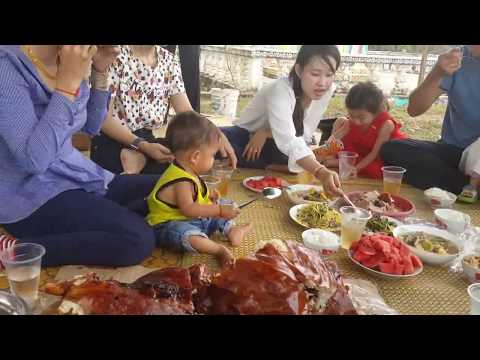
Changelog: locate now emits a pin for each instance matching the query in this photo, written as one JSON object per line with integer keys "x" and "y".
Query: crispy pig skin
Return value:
{"x": 170, "y": 284}
{"x": 268, "y": 282}
{"x": 252, "y": 286}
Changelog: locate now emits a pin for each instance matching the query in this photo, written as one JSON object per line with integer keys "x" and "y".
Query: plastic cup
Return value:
{"x": 346, "y": 165}
{"x": 222, "y": 170}
{"x": 23, "y": 264}
{"x": 474, "y": 293}
{"x": 211, "y": 181}
{"x": 354, "y": 221}
{"x": 392, "y": 179}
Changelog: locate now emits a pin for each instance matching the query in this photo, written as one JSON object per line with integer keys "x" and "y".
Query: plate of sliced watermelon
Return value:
{"x": 385, "y": 256}
{"x": 258, "y": 183}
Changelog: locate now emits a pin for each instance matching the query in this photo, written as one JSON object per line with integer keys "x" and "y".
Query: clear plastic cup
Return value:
{"x": 474, "y": 293}
{"x": 346, "y": 165}
{"x": 211, "y": 181}
{"x": 392, "y": 179}
{"x": 23, "y": 264}
{"x": 223, "y": 170}
{"x": 354, "y": 221}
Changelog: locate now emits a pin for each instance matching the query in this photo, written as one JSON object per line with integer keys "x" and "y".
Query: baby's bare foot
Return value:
{"x": 237, "y": 233}
{"x": 225, "y": 257}
{"x": 133, "y": 162}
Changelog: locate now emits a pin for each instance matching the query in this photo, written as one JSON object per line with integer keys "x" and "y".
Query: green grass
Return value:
{"x": 425, "y": 127}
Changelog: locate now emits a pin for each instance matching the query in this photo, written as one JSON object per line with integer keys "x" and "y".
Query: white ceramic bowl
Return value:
{"x": 293, "y": 189}
{"x": 452, "y": 220}
{"x": 474, "y": 293}
{"x": 324, "y": 241}
{"x": 427, "y": 257}
{"x": 472, "y": 273}
{"x": 440, "y": 202}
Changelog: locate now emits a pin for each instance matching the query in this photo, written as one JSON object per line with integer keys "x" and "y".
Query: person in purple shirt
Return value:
{"x": 50, "y": 193}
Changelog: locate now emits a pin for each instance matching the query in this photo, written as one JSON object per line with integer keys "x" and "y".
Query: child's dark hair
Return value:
{"x": 304, "y": 56}
{"x": 366, "y": 96}
{"x": 189, "y": 130}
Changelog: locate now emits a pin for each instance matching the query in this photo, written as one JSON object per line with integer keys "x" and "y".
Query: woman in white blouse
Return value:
{"x": 277, "y": 125}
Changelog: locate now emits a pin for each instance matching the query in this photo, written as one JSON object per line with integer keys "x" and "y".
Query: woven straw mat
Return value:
{"x": 435, "y": 291}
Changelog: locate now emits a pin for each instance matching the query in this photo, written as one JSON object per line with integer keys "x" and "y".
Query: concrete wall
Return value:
{"x": 243, "y": 68}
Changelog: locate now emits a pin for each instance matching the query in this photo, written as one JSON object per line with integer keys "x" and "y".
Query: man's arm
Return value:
{"x": 422, "y": 98}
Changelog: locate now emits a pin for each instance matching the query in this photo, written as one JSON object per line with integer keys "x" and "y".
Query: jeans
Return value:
{"x": 175, "y": 235}
{"x": 269, "y": 155}
{"x": 428, "y": 163}
{"x": 81, "y": 228}
{"x": 106, "y": 152}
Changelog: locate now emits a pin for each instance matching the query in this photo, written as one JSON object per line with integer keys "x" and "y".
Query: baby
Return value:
{"x": 182, "y": 210}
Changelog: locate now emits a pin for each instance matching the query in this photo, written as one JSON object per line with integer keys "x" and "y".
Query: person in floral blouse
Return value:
{"x": 143, "y": 80}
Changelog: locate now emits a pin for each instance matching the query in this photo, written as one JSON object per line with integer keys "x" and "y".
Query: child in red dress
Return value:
{"x": 367, "y": 128}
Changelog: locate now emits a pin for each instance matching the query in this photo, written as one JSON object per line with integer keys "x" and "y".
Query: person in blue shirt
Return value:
{"x": 50, "y": 193}
{"x": 436, "y": 164}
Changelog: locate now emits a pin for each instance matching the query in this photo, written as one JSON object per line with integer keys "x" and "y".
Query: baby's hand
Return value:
{"x": 214, "y": 196}
{"x": 229, "y": 211}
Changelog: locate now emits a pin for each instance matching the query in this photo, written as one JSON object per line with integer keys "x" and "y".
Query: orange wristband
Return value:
{"x": 69, "y": 92}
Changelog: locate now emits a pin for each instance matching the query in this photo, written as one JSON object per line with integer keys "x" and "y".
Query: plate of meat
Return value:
{"x": 383, "y": 204}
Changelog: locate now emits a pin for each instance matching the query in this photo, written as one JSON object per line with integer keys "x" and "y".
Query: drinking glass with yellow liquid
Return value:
{"x": 354, "y": 221}
{"x": 223, "y": 171}
{"x": 212, "y": 182}
{"x": 392, "y": 179}
{"x": 22, "y": 264}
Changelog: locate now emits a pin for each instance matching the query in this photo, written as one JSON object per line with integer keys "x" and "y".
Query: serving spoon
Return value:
{"x": 268, "y": 193}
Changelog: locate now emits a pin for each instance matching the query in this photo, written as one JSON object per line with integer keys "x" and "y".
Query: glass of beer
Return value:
{"x": 22, "y": 264}
{"x": 353, "y": 224}
{"x": 346, "y": 165}
{"x": 223, "y": 171}
{"x": 392, "y": 179}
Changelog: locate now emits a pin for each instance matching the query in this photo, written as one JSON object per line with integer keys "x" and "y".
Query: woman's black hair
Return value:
{"x": 304, "y": 56}
{"x": 366, "y": 96}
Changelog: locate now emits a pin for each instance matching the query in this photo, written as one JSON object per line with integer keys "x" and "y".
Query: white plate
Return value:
{"x": 293, "y": 214}
{"x": 427, "y": 257}
{"x": 244, "y": 183}
{"x": 292, "y": 189}
{"x": 383, "y": 275}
